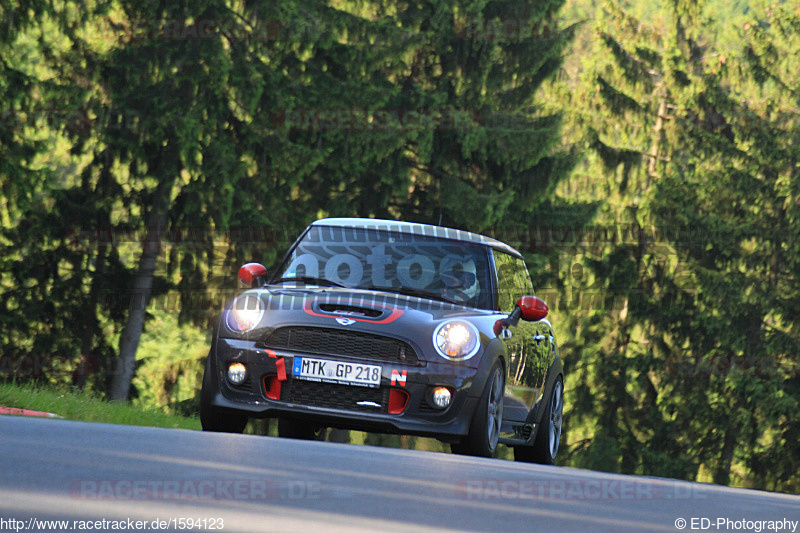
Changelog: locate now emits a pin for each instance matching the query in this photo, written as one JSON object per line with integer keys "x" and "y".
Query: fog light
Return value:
{"x": 441, "y": 397}
{"x": 237, "y": 373}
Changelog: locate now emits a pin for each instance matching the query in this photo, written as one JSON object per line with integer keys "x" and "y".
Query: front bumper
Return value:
{"x": 264, "y": 394}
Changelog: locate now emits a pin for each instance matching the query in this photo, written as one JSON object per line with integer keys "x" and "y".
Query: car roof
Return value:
{"x": 415, "y": 228}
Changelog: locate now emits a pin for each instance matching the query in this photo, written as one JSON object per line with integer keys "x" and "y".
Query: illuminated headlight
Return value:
{"x": 237, "y": 373}
{"x": 456, "y": 340}
{"x": 441, "y": 397}
{"x": 245, "y": 313}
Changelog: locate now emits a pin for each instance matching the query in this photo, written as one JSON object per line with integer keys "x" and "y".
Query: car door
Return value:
{"x": 530, "y": 346}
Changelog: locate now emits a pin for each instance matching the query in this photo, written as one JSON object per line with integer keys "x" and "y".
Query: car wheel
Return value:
{"x": 548, "y": 436}
{"x": 484, "y": 431}
{"x": 294, "y": 429}
{"x": 212, "y": 419}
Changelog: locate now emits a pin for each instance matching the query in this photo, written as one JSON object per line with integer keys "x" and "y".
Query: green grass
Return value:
{"x": 85, "y": 407}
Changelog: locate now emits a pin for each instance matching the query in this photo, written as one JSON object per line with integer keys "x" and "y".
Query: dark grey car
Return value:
{"x": 389, "y": 326}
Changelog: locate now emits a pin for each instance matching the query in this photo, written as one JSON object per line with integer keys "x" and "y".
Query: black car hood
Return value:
{"x": 367, "y": 304}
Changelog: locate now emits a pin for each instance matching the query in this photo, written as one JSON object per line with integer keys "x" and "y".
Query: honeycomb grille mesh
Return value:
{"x": 335, "y": 396}
{"x": 339, "y": 342}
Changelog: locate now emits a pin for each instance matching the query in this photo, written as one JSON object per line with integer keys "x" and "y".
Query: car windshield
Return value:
{"x": 406, "y": 263}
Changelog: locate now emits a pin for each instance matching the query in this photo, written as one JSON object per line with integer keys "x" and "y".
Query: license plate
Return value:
{"x": 340, "y": 372}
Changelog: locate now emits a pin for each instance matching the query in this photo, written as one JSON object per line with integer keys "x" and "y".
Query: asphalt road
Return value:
{"x": 82, "y": 472}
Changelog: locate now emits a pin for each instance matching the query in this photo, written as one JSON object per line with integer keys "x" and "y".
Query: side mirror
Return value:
{"x": 532, "y": 308}
{"x": 529, "y": 309}
{"x": 253, "y": 275}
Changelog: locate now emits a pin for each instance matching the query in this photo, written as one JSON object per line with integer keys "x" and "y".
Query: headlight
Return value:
{"x": 245, "y": 313}
{"x": 456, "y": 340}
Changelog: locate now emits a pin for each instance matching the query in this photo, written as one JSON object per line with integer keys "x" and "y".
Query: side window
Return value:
{"x": 513, "y": 280}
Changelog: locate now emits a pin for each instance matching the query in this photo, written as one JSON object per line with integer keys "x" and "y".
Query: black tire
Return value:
{"x": 295, "y": 429}
{"x": 213, "y": 419}
{"x": 484, "y": 431}
{"x": 548, "y": 435}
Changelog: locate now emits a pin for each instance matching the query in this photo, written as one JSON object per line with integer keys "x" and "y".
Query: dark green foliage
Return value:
{"x": 194, "y": 155}
{"x": 662, "y": 229}
{"x": 683, "y": 366}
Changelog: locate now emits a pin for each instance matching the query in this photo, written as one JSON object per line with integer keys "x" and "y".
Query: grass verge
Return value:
{"x": 87, "y": 408}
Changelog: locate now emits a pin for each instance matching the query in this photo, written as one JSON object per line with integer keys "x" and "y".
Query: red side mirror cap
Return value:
{"x": 532, "y": 308}
{"x": 252, "y": 275}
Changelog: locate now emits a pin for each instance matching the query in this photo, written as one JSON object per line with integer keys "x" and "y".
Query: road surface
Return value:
{"x": 85, "y": 473}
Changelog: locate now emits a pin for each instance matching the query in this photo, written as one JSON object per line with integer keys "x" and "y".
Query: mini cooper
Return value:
{"x": 387, "y": 326}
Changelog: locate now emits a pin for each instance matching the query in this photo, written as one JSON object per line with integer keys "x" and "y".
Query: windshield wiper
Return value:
{"x": 311, "y": 281}
{"x": 412, "y": 292}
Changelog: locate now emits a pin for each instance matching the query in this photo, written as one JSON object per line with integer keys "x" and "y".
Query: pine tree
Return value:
{"x": 188, "y": 132}
{"x": 457, "y": 134}
{"x": 737, "y": 187}
{"x": 687, "y": 372}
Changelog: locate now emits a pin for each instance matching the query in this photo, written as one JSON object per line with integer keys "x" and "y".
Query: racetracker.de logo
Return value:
{"x": 193, "y": 489}
{"x": 378, "y": 120}
{"x": 203, "y": 29}
{"x": 573, "y": 490}
{"x": 507, "y": 29}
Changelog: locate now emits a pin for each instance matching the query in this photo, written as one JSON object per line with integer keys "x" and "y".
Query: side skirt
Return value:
{"x": 523, "y": 435}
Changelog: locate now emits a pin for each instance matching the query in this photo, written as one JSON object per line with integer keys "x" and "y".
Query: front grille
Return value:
{"x": 334, "y": 396}
{"x": 339, "y": 342}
